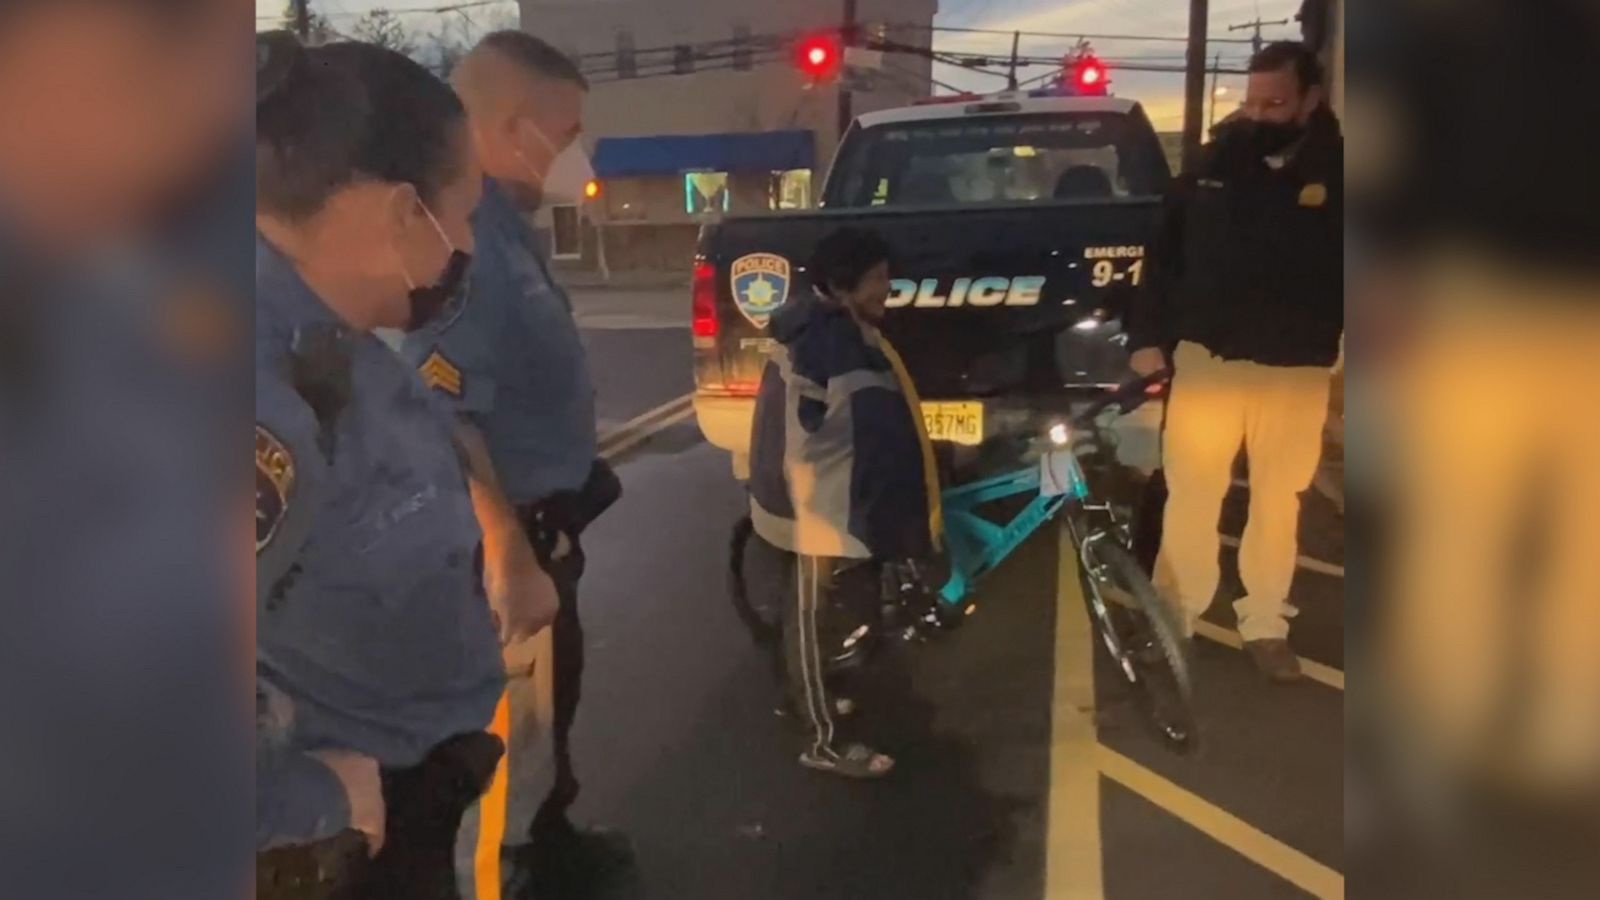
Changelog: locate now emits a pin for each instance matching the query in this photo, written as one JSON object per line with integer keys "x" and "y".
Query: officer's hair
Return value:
{"x": 844, "y": 256}
{"x": 349, "y": 112}
{"x": 1280, "y": 55}
{"x": 535, "y": 55}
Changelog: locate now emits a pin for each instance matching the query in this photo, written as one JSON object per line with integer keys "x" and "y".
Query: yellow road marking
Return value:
{"x": 1072, "y": 833}
{"x": 1314, "y": 670}
{"x": 1227, "y": 829}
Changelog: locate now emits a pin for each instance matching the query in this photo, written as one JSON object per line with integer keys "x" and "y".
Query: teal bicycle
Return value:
{"x": 1070, "y": 473}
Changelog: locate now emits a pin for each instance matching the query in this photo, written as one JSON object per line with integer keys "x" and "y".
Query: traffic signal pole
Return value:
{"x": 1194, "y": 87}
{"x": 847, "y": 39}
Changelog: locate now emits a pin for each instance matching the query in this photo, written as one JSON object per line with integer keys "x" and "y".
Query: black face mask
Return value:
{"x": 429, "y": 300}
{"x": 1272, "y": 138}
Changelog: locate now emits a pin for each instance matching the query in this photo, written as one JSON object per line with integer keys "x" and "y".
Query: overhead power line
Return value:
{"x": 1079, "y": 35}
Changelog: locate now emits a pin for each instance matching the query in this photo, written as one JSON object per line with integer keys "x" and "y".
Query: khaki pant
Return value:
{"x": 1277, "y": 414}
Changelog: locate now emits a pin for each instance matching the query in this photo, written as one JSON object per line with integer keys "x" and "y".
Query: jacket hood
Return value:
{"x": 794, "y": 317}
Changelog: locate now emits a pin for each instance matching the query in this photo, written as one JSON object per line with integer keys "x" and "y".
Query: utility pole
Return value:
{"x": 1194, "y": 83}
{"x": 1216, "y": 75}
{"x": 1255, "y": 40}
{"x": 847, "y": 39}
{"x": 302, "y": 19}
{"x": 1011, "y": 73}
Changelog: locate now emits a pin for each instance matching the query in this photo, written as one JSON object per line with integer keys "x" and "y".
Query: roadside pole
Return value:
{"x": 1194, "y": 87}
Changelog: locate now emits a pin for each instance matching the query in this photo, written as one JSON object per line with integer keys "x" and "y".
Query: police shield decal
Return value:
{"x": 760, "y": 285}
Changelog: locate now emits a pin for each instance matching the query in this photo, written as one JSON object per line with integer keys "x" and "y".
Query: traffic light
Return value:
{"x": 818, "y": 56}
{"x": 1090, "y": 77}
{"x": 591, "y": 190}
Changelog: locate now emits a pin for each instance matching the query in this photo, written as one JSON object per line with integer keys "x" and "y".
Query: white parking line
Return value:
{"x": 1072, "y": 831}
{"x": 1304, "y": 562}
{"x": 1314, "y": 670}
{"x": 634, "y": 431}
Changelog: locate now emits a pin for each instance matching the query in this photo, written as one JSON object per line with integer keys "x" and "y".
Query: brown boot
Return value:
{"x": 1275, "y": 659}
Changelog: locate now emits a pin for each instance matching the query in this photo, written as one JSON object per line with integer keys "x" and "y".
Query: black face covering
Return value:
{"x": 429, "y": 300}
{"x": 1272, "y": 138}
{"x": 1242, "y": 145}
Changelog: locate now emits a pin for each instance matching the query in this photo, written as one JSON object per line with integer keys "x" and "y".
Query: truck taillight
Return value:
{"x": 705, "y": 302}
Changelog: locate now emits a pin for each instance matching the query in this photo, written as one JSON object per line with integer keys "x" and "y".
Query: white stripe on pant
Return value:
{"x": 806, "y": 650}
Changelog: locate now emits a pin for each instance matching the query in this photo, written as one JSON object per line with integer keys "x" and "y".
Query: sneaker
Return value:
{"x": 1275, "y": 659}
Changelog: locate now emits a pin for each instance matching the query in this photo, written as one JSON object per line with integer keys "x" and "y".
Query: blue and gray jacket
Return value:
{"x": 836, "y": 461}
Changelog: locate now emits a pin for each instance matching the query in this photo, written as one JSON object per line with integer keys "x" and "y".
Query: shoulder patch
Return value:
{"x": 274, "y": 478}
{"x": 1314, "y": 195}
{"x": 439, "y": 373}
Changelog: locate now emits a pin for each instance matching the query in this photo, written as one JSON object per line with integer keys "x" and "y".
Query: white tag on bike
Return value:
{"x": 1056, "y": 473}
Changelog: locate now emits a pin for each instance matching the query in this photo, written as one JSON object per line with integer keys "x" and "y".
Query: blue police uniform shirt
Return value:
{"x": 373, "y": 632}
{"x": 510, "y": 358}
{"x": 122, "y": 398}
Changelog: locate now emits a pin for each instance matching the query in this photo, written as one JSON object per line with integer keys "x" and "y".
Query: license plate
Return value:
{"x": 958, "y": 423}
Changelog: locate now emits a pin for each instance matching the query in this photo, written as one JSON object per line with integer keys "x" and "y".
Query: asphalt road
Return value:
{"x": 998, "y": 795}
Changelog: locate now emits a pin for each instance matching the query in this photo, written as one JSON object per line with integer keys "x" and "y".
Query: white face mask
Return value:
{"x": 569, "y": 172}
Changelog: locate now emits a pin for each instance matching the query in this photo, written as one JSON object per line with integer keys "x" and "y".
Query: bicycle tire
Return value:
{"x": 1164, "y": 677}
{"x": 764, "y": 625}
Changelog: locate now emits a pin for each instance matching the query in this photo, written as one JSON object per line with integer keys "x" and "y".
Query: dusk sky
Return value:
{"x": 1161, "y": 93}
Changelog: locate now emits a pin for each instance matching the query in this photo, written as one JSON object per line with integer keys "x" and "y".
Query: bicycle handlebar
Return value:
{"x": 1126, "y": 398}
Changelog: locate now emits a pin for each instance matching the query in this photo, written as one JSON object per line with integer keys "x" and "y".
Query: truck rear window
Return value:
{"x": 1042, "y": 157}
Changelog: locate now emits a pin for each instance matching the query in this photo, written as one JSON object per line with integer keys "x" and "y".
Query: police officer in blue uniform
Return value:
{"x": 377, "y": 647}
{"x": 512, "y": 362}
{"x": 123, "y": 763}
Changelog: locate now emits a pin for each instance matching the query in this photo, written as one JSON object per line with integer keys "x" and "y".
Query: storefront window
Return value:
{"x": 705, "y": 192}
{"x": 790, "y": 190}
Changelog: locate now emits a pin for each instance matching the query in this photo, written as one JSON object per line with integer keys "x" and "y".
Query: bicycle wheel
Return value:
{"x": 1142, "y": 635}
{"x": 759, "y": 611}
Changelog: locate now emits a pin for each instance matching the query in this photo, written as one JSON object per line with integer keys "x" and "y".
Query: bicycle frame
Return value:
{"x": 976, "y": 545}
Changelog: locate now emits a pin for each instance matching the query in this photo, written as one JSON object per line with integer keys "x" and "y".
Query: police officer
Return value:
{"x": 512, "y": 363}
{"x": 1246, "y": 297}
{"x": 377, "y": 653}
{"x": 121, "y": 366}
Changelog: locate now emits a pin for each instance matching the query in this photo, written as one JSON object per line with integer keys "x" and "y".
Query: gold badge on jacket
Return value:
{"x": 1314, "y": 195}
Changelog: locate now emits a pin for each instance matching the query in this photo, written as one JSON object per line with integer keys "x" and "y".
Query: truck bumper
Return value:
{"x": 725, "y": 421}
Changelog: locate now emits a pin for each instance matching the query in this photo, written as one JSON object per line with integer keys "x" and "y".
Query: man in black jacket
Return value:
{"x": 1246, "y": 298}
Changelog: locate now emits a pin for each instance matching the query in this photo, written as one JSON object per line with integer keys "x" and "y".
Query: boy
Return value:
{"x": 841, "y": 470}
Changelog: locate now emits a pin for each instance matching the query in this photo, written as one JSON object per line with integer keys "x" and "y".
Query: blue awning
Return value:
{"x": 670, "y": 154}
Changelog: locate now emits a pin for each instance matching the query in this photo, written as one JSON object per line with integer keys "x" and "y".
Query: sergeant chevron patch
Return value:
{"x": 438, "y": 373}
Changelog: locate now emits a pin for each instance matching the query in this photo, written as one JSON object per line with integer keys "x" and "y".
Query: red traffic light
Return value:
{"x": 1090, "y": 76}
{"x": 818, "y": 56}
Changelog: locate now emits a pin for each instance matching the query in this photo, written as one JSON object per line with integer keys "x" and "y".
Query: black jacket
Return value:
{"x": 1249, "y": 260}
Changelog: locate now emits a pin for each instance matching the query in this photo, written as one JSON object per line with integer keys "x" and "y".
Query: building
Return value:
{"x": 697, "y": 109}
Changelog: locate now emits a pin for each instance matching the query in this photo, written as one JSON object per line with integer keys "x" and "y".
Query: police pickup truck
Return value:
{"x": 1018, "y": 224}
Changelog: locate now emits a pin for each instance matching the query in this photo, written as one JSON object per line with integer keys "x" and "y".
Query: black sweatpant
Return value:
{"x": 821, "y": 598}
